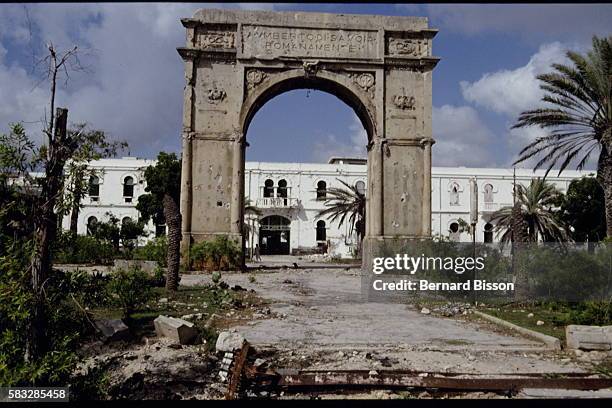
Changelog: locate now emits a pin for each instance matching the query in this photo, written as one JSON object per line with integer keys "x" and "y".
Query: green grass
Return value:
{"x": 519, "y": 317}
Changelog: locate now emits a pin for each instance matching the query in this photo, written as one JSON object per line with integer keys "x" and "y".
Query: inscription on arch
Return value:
{"x": 263, "y": 41}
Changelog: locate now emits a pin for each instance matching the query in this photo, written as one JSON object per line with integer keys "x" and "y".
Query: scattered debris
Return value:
{"x": 180, "y": 330}
{"x": 540, "y": 323}
{"x": 238, "y": 288}
{"x": 452, "y": 309}
{"x": 425, "y": 311}
{"x": 530, "y": 315}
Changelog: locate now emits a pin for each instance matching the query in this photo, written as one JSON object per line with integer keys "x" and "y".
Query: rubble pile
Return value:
{"x": 450, "y": 309}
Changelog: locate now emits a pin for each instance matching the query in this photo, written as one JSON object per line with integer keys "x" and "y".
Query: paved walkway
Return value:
{"x": 324, "y": 307}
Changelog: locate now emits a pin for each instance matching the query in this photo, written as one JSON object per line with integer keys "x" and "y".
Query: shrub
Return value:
{"x": 220, "y": 254}
{"x": 598, "y": 313}
{"x": 158, "y": 280}
{"x": 80, "y": 249}
{"x": 130, "y": 289}
{"x": 66, "y": 325}
{"x": 154, "y": 250}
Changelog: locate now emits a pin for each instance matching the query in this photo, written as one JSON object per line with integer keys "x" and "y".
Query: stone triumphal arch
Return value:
{"x": 235, "y": 61}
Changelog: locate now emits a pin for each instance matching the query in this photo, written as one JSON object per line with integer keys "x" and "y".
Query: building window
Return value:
{"x": 91, "y": 225}
{"x": 488, "y": 232}
{"x": 160, "y": 230}
{"x": 128, "y": 189}
{"x": 360, "y": 187}
{"x": 454, "y": 194}
{"x": 94, "y": 188}
{"x": 321, "y": 190}
{"x": 321, "y": 231}
{"x": 281, "y": 191}
{"x": 126, "y": 220}
{"x": 268, "y": 188}
{"x": 488, "y": 193}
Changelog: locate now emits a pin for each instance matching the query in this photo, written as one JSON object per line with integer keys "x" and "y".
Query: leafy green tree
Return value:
{"x": 108, "y": 231}
{"x": 346, "y": 204}
{"x": 583, "y": 208}
{"x": 578, "y": 116}
{"x": 130, "y": 231}
{"x": 161, "y": 204}
{"x": 533, "y": 217}
{"x": 92, "y": 145}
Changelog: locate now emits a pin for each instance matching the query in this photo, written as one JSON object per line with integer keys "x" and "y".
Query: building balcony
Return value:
{"x": 277, "y": 202}
{"x": 492, "y": 207}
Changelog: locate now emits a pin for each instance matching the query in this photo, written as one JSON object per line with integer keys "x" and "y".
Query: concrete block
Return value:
{"x": 180, "y": 330}
{"x": 589, "y": 337}
{"x": 228, "y": 341}
{"x": 113, "y": 329}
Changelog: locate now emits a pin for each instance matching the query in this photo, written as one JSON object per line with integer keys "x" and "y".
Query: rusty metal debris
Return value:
{"x": 346, "y": 379}
{"x": 236, "y": 369}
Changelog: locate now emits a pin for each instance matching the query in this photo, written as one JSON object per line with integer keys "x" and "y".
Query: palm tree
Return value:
{"x": 162, "y": 203}
{"x": 532, "y": 218}
{"x": 579, "y": 118}
{"x": 346, "y": 204}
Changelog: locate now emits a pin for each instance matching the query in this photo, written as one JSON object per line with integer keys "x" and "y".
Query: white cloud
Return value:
{"x": 333, "y": 146}
{"x": 462, "y": 139}
{"x": 531, "y": 21}
{"x": 513, "y": 91}
{"x": 135, "y": 90}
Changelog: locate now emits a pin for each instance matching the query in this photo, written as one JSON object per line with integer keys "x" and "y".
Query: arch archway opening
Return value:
{"x": 315, "y": 83}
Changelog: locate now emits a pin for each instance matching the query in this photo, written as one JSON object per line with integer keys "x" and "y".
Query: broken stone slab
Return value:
{"x": 176, "y": 329}
{"x": 229, "y": 341}
{"x": 113, "y": 329}
{"x": 589, "y": 337}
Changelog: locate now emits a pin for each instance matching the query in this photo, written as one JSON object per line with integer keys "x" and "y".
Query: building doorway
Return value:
{"x": 274, "y": 235}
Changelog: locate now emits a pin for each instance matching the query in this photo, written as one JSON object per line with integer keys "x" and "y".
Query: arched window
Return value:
{"x": 281, "y": 191}
{"x": 268, "y": 188}
{"x": 360, "y": 187}
{"x": 94, "y": 188}
{"x": 488, "y": 232}
{"x": 454, "y": 194}
{"x": 91, "y": 224}
{"x": 128, "y": 189}
{"x": 321, "y": 190}
{"x": 488, "y": 193}
{"x": 321, "y": 231}
{"x": 126, "y": 220}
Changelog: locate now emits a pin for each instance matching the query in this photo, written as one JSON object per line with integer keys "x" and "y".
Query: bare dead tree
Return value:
{"x": 58, "y": 150}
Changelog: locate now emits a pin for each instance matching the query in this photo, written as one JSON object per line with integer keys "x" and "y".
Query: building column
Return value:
{"x": 186, "y": 183}
{"x": 427, "y": 143}
{"x": 237, "y": 204}
{"x": 186, "y": 159}
{"x": 376, "y": 189}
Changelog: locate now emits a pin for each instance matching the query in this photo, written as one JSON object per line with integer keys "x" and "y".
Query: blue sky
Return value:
{"x": 490, "y": 55}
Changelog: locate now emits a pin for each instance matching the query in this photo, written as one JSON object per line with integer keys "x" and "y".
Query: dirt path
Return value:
{"x": 318, "y": 320}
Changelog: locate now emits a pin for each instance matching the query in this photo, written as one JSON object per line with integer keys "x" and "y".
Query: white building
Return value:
{"x": 290, "y": 195}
